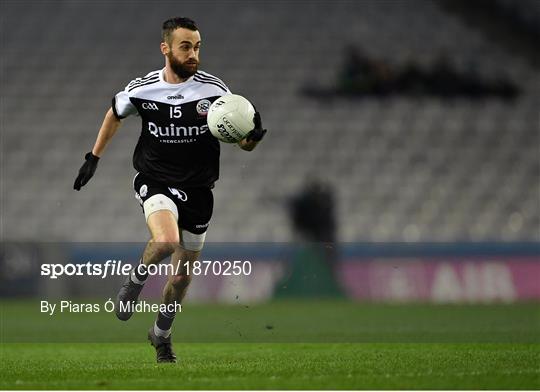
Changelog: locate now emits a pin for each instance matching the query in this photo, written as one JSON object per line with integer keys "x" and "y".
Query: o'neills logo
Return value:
{"x": 179, "y": 96}
{"x": 174, "y": 131}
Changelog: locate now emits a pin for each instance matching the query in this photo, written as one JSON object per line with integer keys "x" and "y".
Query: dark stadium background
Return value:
{"x": 401, "y": 168}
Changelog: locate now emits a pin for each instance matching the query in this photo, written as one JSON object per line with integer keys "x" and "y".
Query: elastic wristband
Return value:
{"x": 91, "y": 157}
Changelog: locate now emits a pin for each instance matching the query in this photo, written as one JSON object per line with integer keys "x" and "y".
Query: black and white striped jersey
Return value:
{"x": 175, "y": 146}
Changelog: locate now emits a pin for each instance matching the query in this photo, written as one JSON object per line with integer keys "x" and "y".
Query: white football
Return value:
{"x": 230, "y": 118}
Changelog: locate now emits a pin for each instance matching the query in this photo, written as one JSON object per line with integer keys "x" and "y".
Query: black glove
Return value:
{"x": 258, "y": 132}
{"x": 86, "y": 171}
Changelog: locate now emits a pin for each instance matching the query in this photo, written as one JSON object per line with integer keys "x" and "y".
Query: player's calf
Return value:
{"x": 179, "y": 283}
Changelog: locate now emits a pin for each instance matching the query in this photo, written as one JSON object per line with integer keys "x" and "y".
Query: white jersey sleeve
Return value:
{"x": 121, "y": 103}
{"x": 122, "y": 106}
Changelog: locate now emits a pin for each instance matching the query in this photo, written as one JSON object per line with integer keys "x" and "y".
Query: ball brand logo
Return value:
{"x": 231, "y": 127}
{"x": 228, "y": 124}
{"x": 223, "y": 132}
{"x": 179, "y": 96}
{"x": 173, "y": 130}
{"x": 150, "y": 106}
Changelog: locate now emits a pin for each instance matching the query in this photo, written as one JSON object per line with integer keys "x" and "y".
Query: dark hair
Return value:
{"x": 174, "y": 23}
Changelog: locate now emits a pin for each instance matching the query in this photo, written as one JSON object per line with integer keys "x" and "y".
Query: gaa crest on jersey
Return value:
{"x": 202, "y": 107}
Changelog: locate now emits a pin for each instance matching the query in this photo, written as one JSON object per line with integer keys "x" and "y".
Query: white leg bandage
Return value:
{"x": 159, "y": 202}
{"x": 193, "y": 242}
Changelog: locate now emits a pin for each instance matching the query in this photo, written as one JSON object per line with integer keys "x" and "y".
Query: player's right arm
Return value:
{"x": 121, "y": 108}
{"x": 110, "y": 125}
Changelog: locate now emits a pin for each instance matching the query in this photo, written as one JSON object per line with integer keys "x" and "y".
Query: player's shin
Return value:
{"x": 175, "y": 289}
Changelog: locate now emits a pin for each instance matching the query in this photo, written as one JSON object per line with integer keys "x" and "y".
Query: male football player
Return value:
{"x": 177, "y": 164}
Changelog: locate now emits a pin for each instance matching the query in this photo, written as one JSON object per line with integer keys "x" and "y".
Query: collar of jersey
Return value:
{"x": 162, "y": 79}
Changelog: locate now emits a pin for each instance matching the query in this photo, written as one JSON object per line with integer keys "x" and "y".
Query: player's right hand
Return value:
{"x": 86, "y": 171}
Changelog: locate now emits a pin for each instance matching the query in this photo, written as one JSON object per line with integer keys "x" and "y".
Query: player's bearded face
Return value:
{"x": 184, "y": 69}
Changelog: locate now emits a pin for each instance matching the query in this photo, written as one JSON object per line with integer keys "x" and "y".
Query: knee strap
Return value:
{"x": 159, "y": 202}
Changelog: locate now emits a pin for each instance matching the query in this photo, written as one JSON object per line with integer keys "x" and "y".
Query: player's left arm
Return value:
{"x": 255, "y": 136}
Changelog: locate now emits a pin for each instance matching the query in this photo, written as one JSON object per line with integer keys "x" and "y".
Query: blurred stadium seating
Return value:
{"x": 526, "y": 11}
{"x": 402, "y": 169}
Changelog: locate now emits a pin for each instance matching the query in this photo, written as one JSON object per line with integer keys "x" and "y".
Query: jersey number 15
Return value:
{"x": 175, "y": 112}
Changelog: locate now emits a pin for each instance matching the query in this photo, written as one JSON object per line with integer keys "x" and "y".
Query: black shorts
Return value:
{"x": 195, "y": 205}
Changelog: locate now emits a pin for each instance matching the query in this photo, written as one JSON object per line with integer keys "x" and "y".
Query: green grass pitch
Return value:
{"x": 279, "y": 345}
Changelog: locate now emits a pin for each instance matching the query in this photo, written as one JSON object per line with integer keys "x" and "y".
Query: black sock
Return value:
{"x": 141, "y": 272}
{"x": 164, "y": 320}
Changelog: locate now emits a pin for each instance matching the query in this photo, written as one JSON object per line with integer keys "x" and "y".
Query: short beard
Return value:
{"x": 180, "y": 69}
